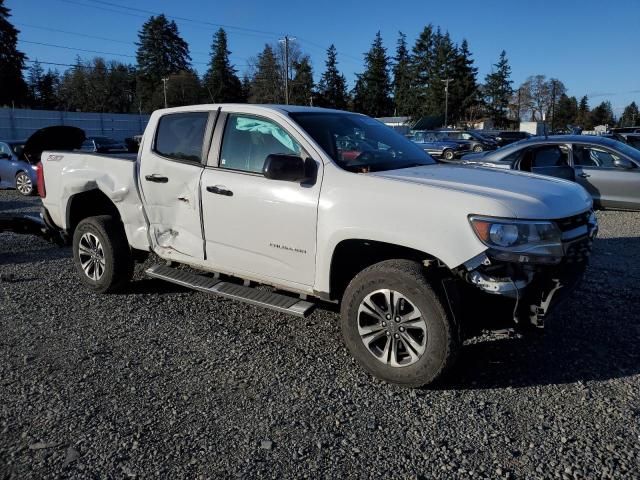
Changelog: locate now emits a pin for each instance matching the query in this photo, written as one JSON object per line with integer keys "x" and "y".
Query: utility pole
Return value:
{"x": 553, "y": 104}
{"x": 446, "y": 100}
{"x": 519, "y": 103}
{"x": 286, "y": 41}
{"x": 164, "y": 88}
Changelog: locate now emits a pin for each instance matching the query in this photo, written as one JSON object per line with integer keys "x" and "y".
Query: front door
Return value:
{"x": 611, "y": 186}
{"x": 170, "y": 173}
{"x": 262, "y": 228}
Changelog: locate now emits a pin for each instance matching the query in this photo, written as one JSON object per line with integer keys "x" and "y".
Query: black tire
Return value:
{"x": 448, "y": 155}
{"x": 118, "y": 260}
{"x": 442, "y": 342}
{"x": 24, "y": 185}
{"x": 478, "y": 148}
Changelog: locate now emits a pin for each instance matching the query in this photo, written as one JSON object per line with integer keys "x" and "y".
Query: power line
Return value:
{"x": 78, "y": 49}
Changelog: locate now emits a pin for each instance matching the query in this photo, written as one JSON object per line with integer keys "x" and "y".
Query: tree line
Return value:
{"x": 419, "y": 81}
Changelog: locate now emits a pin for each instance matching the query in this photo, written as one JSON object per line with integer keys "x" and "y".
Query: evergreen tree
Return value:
{"x": 267, "y": 85}
{"x": 442, "y": 69}
{"x": 497, "y": 91}
{"x": 221, "y": 82}
{"x": 73, "y": 87}
{"x": 246, "y": 88}
{"x": 630, "y": 116}
{"x": 372, "y": 95}
{"x": 402, "y": 79}
{"x": 603, "y": 114}
{"x": 13, "y": 89}
{"x": 332, "y": 89}
{"x": 34, "y": 80}
{"x": 465, "y": 96}
{"x": 421, "y": 67}
{"x": 302, "y": 83}
{"x": 42, "y": 87}
{"x": 584, "y": 114}
{"x": 183, "y": 88}
{"x": 566, "y": 112}
{"x": 161, "y": 52}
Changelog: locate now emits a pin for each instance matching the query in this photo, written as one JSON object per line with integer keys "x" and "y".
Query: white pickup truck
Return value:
{"x": 323, "y": 206}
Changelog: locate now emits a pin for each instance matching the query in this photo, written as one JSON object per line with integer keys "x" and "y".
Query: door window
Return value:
{"x": 248, "y": 141}
{"x": 545, "y": 157}
{"x": 587, "y": 156}
{"x": 180, "y": 136}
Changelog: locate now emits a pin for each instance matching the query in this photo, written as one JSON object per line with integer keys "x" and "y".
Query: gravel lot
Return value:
{"x": 165, "y": 382}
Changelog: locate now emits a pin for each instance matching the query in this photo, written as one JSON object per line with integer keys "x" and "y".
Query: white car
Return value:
{"x": 323, "y": 205}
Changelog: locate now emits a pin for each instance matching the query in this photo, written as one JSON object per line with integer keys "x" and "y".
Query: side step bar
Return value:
{"x": 261, "y": 298}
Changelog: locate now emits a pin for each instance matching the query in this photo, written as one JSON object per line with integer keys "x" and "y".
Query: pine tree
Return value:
{"x": 402, "y": 79}
{"x": 498, "y": 91}
{"x": 372, "y": 95}
{"x": 42, "y": 87}
{"x": 603, "y": 114}
{"x": 566, "y": 112}
{"x": 183, "y": 88}
{"x": 630, "y": 116}
{"x": 13, "y": 89}
{"x": 302, "y": 83}
{"x": 161, "y": 52}
{"x": 332, "y": 89}
{"x": 441, "y": 69}
{"x": 267, "y": 85}
{"x": 421, "y": 67}
{"x": 465, "y": 96}
{"x": 34, "y": 80}
{"x": 584, "y": 114}
{"x": 221, "y": 82}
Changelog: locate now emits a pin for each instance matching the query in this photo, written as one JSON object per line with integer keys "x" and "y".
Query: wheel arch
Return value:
{"x": 86, "y": 204}
{"x": 351, "y": 256}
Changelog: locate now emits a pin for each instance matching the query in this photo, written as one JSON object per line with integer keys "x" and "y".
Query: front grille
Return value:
{"x": 569, "y": 223}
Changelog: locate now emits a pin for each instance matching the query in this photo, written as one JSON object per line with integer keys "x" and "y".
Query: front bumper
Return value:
{"x": 537, "y": 287}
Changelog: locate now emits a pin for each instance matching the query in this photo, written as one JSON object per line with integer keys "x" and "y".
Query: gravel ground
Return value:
{"x": 165, "y": 382}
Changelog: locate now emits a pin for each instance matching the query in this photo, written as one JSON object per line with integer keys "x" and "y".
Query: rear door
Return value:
{"x": 610, "y": 186}
{"x": 549, "y": 159}
{"x": 256, "y": 227}
{"x": 170, "y": 171}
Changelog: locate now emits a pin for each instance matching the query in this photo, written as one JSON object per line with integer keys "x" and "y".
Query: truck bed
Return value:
{"x": 69, "y": 174}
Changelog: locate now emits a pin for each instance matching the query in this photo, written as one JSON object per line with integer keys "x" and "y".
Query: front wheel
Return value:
{"x": 24, "y": 185}
{"x": 101, "y": 254}
{"x": 448, "y": 155}
{"x": 478, "y": 148}
{"x": 395, "y": 325}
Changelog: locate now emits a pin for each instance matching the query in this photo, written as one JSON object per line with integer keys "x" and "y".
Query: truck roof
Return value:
{"x": 269, "y": 107}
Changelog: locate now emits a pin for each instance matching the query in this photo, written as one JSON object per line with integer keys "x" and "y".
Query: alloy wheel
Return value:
{"x": 392, "y": 328}
{"x": 91, "y": 256}
{"x": 24, "y": 184}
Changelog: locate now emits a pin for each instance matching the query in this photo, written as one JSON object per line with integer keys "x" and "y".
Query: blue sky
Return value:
{"x": 592, "y": 46}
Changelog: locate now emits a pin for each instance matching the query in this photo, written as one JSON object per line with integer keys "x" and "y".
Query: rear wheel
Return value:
{"x": 395, "y": 325}
{"x": 24, "y": 185}
{"x": 448, "y": 154}
{"x": 478, "y": 148}
{"x": 101, "y": 254}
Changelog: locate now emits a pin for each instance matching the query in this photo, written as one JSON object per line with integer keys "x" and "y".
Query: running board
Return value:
{"x": 261, "y": 298}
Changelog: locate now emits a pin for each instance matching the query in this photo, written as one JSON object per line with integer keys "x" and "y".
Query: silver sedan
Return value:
{"x": 609, "y": 170}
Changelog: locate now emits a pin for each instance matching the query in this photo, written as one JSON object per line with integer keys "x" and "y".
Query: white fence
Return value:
{"x": 19, "y": 124}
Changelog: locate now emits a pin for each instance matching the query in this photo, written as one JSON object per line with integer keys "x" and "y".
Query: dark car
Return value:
{"x": 632, "y": 139}
{"x": 103, "y": 145}
{"x": 434, "y": 145}
{"x": 608, "y": 169}
{"x": 133, "y": 143}
{"x": 507, "y": 138}
{"x": 477, "y": 142}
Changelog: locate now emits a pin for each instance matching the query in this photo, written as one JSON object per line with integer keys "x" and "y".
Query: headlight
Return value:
{"x": 538, "y": 238}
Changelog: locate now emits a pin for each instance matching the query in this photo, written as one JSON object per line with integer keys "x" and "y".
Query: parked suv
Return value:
{"x": 434, "y": 145}
{"x": 477, "y": 142}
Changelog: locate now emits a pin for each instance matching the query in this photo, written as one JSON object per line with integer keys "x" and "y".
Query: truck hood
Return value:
{"x": 527, "y": 195}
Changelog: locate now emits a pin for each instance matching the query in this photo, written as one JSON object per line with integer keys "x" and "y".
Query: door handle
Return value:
{"x": 156, "y": 178}
{"x": 584, "y": 175}
{"x": 220, "y": 191}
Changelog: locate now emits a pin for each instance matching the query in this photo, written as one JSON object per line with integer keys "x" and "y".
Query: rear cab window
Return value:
{"x": 180, "y": 136}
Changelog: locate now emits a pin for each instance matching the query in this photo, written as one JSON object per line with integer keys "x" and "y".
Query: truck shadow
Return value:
{"x": 593, "y": 336}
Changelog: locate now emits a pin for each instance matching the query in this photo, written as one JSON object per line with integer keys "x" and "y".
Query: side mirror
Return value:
{"x": 623, "y": 163}
{"x": 288, "y": 168}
